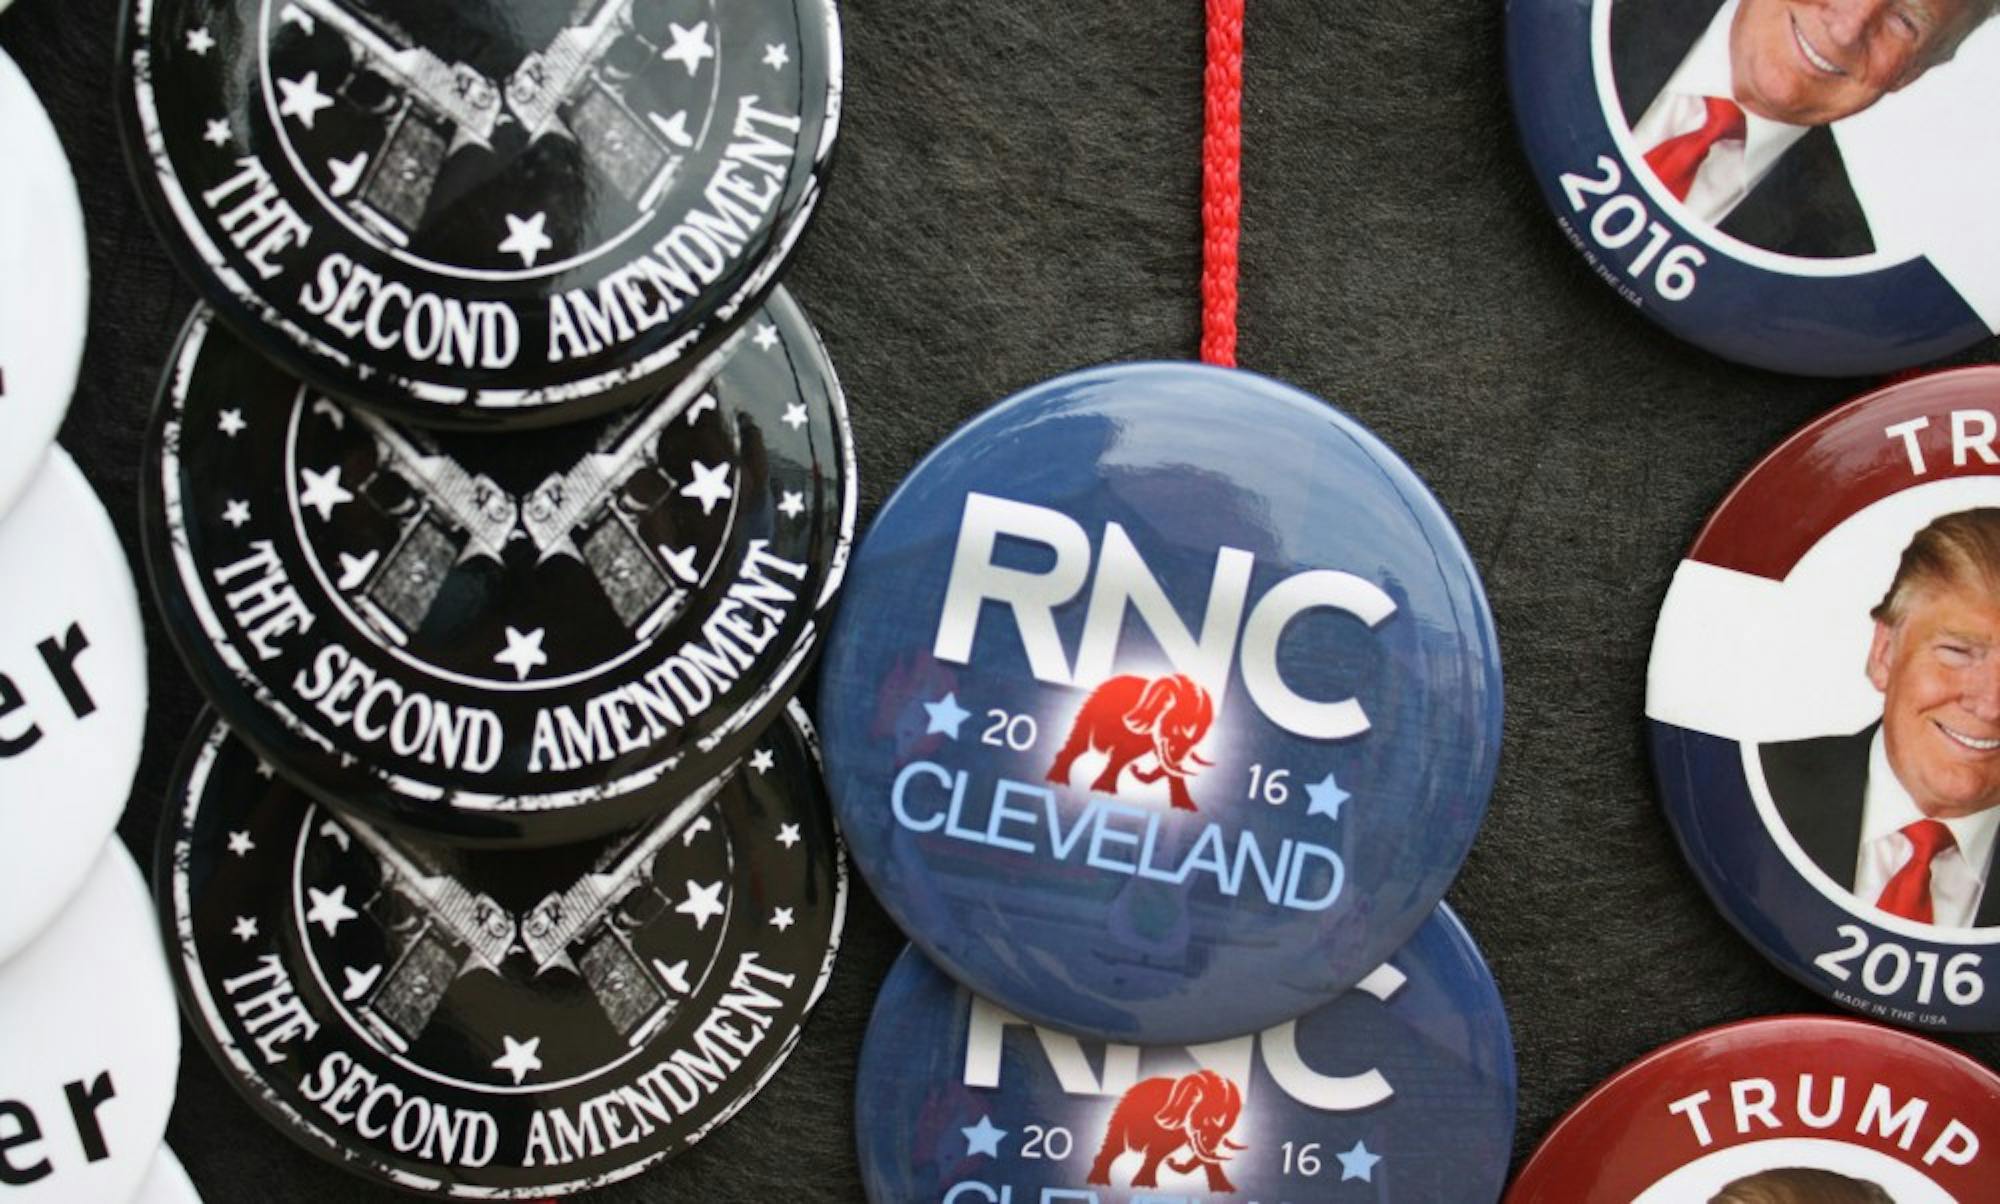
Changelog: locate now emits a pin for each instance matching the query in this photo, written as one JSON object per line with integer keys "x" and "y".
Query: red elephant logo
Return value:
{"x": 1161, "y": 1117}
{"x": 1135, "y": 717}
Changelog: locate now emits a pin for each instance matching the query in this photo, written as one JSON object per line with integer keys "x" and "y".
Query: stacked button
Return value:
{"x": 86, "y": 1075}
{"x": 1163, "y": 706}
{"x": 1824, "y": 703}
{"x": 495, "y": 499}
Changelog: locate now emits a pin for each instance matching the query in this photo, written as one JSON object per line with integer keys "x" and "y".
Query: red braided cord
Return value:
{"x": 1222, "y": 182}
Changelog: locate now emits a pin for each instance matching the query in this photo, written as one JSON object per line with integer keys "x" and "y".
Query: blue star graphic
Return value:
{"x": 983, "y": 1138}
{"x": 946, "y": 715}
{"x": 1325, "y": 798}
{"x": 1357, "y": 1163}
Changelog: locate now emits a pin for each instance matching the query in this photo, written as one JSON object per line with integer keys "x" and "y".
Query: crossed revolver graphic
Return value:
{"x": 441, "y": 930}
{"x": 454, "y": 516}
{"x": 434, "y": 109}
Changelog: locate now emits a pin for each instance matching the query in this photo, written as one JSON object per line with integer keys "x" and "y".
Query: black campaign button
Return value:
{"x": 499, "y": 1024}
{"x": 527, "y": 637}
{"x": 487, "y": 212}
{"x": 1765, "y": 181}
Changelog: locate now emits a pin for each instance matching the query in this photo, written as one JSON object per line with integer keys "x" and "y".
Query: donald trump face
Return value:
{"x": 1936, "y": 659}
{"x": 1811, "y": 62}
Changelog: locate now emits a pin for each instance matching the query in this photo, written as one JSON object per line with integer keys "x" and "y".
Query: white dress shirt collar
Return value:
{"x": 1887, "y": 808}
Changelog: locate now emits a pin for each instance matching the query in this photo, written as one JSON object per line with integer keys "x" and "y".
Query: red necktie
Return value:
{"x": 1677, "y": 159}
{"x": 1909, "y": 893}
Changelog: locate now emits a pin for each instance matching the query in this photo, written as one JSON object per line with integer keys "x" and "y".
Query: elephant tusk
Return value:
{"x": 1233, "y": 1145}
{"x": 1200, "y": 760}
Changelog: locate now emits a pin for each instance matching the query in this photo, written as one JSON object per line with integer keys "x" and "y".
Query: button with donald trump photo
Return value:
{"x": 1401, "y": 1089}
{"x": 1781, "y": 1110}
{"x": 1800, "y": 185}
{"x": 1157, "y": 680}
{"x": 1823, "y": 703}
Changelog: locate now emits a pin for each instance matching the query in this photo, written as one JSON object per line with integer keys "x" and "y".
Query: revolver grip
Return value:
{"x": 399, "y": 185}
{"x": 632, "y": 580}
{"x": 407, "y": 584}
{"x": 409, "y": 992}
{"x": 629, "y": 996}
{"x": 616, "y": 145}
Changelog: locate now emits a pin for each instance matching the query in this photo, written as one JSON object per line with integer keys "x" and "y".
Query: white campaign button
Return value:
{"x": 72, "y": 694}
{"x": 44, "y": 283}
{"x": 167, "y": 1184}
{"x": 89, "y": 1044}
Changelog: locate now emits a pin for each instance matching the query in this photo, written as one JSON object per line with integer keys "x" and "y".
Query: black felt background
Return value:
{"x": 1016, "y": 196}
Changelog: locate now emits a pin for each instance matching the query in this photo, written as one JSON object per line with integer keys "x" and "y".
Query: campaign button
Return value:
{"x": 519, "y": 637}
{"x": 167, "y": 1183}
{"x": 1764, "y": 181}
{"x": 1805, "y": 1109}
{"x": 44, "y": 284}
{"x": 497, "y": 213}
{"x": 500, "y": 1023}
{"x": 89, "y": 1046}
{"x": 72, "y": 694}
{"x": 1823, "y": 703}
{"x": 1402, "y": 1088}
{"x": 1152, "y": 681}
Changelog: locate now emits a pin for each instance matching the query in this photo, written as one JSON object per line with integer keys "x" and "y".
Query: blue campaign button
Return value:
{"x": 1401, "y": 1089}
{"x": 1739, "y": 177}
{"x": 1155, "y": 681}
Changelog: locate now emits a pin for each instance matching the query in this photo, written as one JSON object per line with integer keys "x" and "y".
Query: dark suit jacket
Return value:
{"x": 1818, "y": 787}
{"x": 1805, "y": 206}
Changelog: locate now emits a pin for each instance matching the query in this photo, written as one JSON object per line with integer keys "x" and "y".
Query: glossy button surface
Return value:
{"x": 1402, "y": 1088}
{"x": 1824, "y": 691}
{"x": 44, "y": 284}
{"x": 1808, "y": 1108}
{"x": 493, "y": 212}
{"x": 1155, "y": 680}
{"x": 1832, "y": 220}
{"x": 89, "y": 1044}
{"x": 511, "y": 1024}
{"x": 72, "y": 694}
{"x": 525, "y": 637}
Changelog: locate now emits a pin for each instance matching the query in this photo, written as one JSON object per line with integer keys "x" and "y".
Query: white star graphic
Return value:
{"x": 675, "y": 976}
{"x": 763, "y": 761}
{"x": 945, "y": 716}
{"x": 216, "y": 132}
{"x": 795, "y": 415}
{"x": 703, "y": 903}
{"x": 245, "y": 928}
{"x": 355, "y": 569}
{"x": 303, "y": 99}
{"x": 524, "y": 652}
{"x": 231, "y": 423}
{"x": 775, "y": 56}
{"x": 781, "y": 919}
{"x": 793, "y": 505}
{"x": 323, "y": 491}
{"x": 526, "y": 238}
{"x": 240, "y": 843}
{"x": 788, "y": 835}
{"x": 520, "y": 1058}
{"x": 329, "y": 908}
{"x": 200, "y": 41}
{"x": 674, "y": 129}
{"x": 265, "y": 771}
{"x": 766, "y": 336}
{"x": 236, "y": 513}
{"x": 690, "y": 45}
{"x": 681, "y": 561}
{"x": 710, "y": 485}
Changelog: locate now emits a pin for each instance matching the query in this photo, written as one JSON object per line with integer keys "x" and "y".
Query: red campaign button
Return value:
{"x": 1793, "y": 1107}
